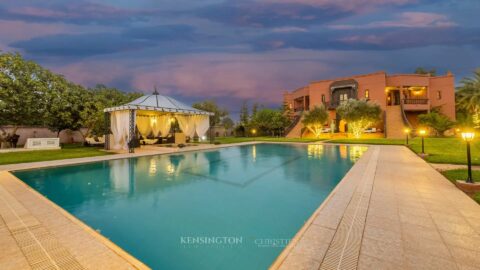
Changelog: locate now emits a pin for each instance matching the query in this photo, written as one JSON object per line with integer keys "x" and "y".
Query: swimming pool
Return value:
{"x": 230, "y": 208}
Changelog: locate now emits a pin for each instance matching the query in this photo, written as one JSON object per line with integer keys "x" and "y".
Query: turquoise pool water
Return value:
{"x": 231, "y": 208}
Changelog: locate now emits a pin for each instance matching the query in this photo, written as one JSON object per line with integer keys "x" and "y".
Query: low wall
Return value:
{"x": 26, "y": 132}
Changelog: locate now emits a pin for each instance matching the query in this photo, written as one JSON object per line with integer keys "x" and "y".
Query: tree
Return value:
{"x": 254, "y": 109}
{"x": 436, "y": 121}
{"x": 244, "y": 116}
{"x": 33, "y": 95}
{"x": 423, "y": 71}
{"x": 64, "y": 101}
{"x": 22, "y": 91}
{"x": 315, "y": 119}
{"x": 92, "y": 117}
{"x": 211, "y": 106}
{"x": 269, "y": 121}
{"x": 227, "y": 122}
{"x": 359, "y": 115}
{"x": 468, "y": 97}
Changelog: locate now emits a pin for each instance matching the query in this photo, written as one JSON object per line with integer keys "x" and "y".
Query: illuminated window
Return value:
{"x": 367, "y": 94}
{"x": 343, "y": 98}
{"x": 439, "y": 94}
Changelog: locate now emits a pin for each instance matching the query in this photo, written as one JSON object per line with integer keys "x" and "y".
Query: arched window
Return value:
{"x": 367, "y": 94}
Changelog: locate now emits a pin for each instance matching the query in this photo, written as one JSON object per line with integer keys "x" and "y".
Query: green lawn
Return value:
{"x": 382, "y": 141}
{"x": 439, "y": 150}
{"x": 461, "y": 174}
{"x": 227, "y": 140}
{"x": 67, "y": 151}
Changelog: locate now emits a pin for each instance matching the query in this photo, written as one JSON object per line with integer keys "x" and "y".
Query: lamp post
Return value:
{"x": 407, "y": 131}
{"x": 422, "y": 133}
{"x": 468, "y": 137}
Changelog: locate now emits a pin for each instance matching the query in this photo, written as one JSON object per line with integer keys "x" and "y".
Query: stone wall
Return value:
{"x": 25, "y": 132}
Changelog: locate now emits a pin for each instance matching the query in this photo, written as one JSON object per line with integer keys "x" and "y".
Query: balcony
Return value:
{"x": 416, "y": 104}
{"x": 332, "y": 105}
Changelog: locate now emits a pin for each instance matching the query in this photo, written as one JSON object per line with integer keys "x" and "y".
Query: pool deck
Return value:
{"x": 391, "y": 211}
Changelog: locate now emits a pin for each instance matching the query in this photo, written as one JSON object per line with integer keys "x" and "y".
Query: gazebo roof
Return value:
{"x": 157, "y": 102}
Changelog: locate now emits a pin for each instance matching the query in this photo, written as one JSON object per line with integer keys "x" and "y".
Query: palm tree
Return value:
{"x": 468, "y": 97}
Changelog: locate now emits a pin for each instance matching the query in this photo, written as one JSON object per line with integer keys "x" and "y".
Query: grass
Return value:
{"x": 461, "y": 174}
{"x": 227, "y": 140}
{"x": 439, "y": 150}
{"x": 68, "y": 151}
{"x": 381, "y": 141}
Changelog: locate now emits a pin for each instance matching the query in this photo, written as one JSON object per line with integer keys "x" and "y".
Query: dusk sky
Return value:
{"x": 232, "y": 51}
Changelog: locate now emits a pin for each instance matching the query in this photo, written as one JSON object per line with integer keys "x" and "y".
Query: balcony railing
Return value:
{"x": 334, "y": 104}
{"x": 415, "y": 101}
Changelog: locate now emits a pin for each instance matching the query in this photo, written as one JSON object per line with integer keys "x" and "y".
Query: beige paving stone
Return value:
{"x": 465, "y": 256}
{"x": 416, "y": 231}
{"x": 366, "y": 262}
{"x": 467, "y": 267}
{"x": 389, "y": 252}
{"x": 457, "y": 228}
{"x": 424, "y": 221}
{"x": 415, "y": 260}
{"x": 383, "y": 234}
{"x": 299, "y": 262}
{"x": 422, "y": 245}
{"x": 382, "y": 222}
{"x": 466, "y": 242}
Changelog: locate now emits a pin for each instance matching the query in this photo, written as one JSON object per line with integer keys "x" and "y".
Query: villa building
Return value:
{"x": 402, "y": 98}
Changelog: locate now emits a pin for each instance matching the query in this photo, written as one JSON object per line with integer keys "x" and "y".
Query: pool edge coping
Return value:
{"x": 85, "y": 227}
{"x": 276, "y": 264}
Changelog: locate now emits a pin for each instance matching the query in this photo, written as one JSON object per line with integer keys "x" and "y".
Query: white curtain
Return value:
{"x": 187, "y": 124}
{"x": 164, "y": 124}
{"x": 119, "y": 123}
{"x": 143, "y": 125}
{"x": 155, "y": 125}
{"x": 202, "y": 124}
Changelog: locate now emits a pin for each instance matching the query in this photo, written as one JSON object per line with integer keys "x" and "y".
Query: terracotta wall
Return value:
{"x": 317, "y": 89}
{"x": 376, "y": 84}
{"x": 42, "y": 132}
{"x": 446, "y": 85}
{"x": 408, "y": 80}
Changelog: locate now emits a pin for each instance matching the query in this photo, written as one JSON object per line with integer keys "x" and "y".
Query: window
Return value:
{"x": 439, "y": 94}
{"x": 323, "y": 98}
{"x": 343, "y": 98}
{"x": 367, "y": 94}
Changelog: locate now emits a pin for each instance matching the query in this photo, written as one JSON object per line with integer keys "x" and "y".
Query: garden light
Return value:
{"x": 468, "y": 137}
{"x": 422, "y": 133}
{"x": 407, "y": 131}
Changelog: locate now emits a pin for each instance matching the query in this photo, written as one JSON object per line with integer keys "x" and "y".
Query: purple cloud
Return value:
{"x": 76, "y": 12}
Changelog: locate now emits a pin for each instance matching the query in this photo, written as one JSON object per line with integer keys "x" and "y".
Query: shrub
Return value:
{"x": 315, "y": 119}
{"x": 359, "y": 115}
{"x": 436, "y": 121}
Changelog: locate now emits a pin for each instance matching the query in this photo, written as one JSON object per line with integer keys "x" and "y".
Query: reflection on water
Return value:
{"x": 356, "y": 152}
{"x": 343, "y": 151}
{"x": 315, "y": 150}
{"x": 146, "y": 204}
{"x": 153, "y": 167}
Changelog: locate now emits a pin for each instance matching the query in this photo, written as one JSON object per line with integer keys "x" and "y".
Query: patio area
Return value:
{"x": 391, "y": 211}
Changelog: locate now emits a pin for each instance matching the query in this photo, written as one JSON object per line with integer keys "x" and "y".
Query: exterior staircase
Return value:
{"x": 294, "y": 130}
{"x": 395, "y": 122}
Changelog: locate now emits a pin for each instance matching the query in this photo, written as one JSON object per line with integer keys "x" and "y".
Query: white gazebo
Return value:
{"x": 152, "y": 115}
